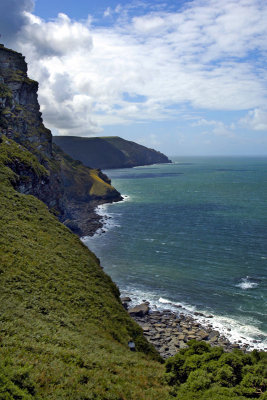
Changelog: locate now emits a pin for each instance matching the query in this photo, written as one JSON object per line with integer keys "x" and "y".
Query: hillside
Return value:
{"x": 64, "y": 332}
{"x": 109, "y": 152}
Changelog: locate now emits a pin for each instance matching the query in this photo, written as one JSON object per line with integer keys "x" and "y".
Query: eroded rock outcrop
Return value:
{"x": 70, "y": 189}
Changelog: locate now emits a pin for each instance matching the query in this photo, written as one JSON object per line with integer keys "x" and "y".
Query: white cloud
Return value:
{"x": 209, "y": 55}
{"x": 151, "y": 141}
{"x": 56, "y": 38}
{"x": 255, "y": 119}
{"x": 12, "y": 18}
{"x": 107, "y": 12}
{"x": 217, "y": 128}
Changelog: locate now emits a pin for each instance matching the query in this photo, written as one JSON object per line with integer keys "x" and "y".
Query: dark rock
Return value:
{"x": 139, "y": 310}
{"x": 235, "y": 346}
{"x": 146, "y": 328}
{"x": 183, "y": 345}
{"x": 126, "y": 299}
{"x": 203, "y": 335}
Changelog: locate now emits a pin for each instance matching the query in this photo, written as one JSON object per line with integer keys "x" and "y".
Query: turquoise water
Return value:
{"x": 193, "y": 234}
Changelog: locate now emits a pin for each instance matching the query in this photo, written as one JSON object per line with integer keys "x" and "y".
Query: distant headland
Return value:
{"x": 109, "y": 152}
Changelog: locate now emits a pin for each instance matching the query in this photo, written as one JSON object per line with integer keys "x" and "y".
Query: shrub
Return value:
{"x": 203, "y": 372}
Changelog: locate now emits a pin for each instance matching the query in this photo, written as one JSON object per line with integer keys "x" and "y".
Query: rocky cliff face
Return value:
{"x": 70, "y": 189}
{"x": 20, "y": 117}
{"x": 109, "y": 152}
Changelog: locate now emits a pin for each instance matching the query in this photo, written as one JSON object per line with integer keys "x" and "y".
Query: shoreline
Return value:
{"x": 169, "y": 331}
{"x": 101, "y": 219}
{"x": 164, "y": 328}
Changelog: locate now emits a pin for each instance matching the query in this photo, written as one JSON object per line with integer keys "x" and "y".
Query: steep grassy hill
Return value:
{"x": 109, "y": 152}
{"x": 64, "y": 332}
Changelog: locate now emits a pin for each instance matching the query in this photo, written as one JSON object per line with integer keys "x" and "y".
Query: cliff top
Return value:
{"x": 10, "y": 59}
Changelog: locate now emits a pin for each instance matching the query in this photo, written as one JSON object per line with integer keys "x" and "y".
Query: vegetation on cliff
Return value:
{"x": 109, "y": 152}
{"x": 201, "y": 372}
{"x": 64, "y": 333}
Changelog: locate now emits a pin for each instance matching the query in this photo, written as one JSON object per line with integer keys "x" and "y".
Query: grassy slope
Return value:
{"x": 60, "y": 314}
{"x": 93, "y": 152}
{"x": 81, "y": 181}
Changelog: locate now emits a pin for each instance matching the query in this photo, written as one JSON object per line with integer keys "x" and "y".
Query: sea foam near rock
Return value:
{"x": 108, "y": 220}
{"x": 234, "y": 330}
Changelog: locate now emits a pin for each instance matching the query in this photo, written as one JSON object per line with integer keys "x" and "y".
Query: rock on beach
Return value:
{"x": 169, "y": 332}
{"x": 139, "y": 311}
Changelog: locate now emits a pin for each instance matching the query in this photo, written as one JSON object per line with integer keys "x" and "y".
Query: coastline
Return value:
{"x": 170, "y": 332}
{"x": 100, "y": 220}
{"x": 92, "y": 220}
{"x": 169, "y": 329}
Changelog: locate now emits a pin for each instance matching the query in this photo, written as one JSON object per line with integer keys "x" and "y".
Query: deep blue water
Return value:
{"x": 193, "y": 233}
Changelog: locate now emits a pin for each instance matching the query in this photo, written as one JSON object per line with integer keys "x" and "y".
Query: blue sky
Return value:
{"x": 188, "y": 78}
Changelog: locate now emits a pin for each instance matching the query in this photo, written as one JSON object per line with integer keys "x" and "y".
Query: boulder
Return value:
{"x": 183, "y": 345}
{"x": 146, "y": 328}
{"x": 214, "y": 339}
{"x": 126, "y": 299}
{"x": 140, "y": 310}
{"x": 203, "y": 335}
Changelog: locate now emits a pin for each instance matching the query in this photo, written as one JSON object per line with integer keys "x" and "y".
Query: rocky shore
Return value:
{"x": 169, "y": 332}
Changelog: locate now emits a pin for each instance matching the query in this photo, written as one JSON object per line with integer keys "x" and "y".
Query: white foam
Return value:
{"x": 108, "y": 219}
{"x": 126, "y": 197}
{"x": 164, "y": 301}
{"x": 235, "y": 330}
{"x": 246, "y": 284}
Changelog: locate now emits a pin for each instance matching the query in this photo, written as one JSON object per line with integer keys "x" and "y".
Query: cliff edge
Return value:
{"x": 70, "y": 189}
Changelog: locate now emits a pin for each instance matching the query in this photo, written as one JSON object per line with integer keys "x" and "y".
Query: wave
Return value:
{"x": 236, "y": 330}
{"x": 246, "y": 284}
{"x": 108, "y": 219}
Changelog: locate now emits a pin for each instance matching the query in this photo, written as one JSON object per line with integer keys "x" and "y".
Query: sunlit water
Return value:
{"x": 193, "y": 233}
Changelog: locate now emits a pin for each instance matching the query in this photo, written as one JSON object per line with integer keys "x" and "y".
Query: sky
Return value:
{"x": 184, "y": 77}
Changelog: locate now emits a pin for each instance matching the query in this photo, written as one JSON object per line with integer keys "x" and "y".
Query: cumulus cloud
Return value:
{"x": 217, "y": 128}
{"x": 255, "y": 119}
{"x": 12, "y": 18}
{"x": 56, "y": 38}
{"x": 209, "y": 55}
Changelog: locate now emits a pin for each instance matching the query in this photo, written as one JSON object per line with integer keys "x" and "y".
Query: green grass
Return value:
{"x": 63, "y": 330}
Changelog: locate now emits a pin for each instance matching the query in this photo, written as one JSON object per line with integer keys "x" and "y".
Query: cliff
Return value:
{"x": 109, "y": 152}
{"x": 70, "y": 189}
{"x": 63, "y": 330}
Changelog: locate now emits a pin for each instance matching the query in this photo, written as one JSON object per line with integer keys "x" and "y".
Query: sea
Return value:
{"x": 191, "y": 236}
